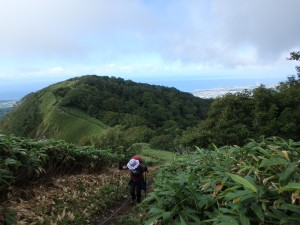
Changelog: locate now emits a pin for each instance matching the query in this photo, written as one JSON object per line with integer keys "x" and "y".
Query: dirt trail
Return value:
{"x": 44, "y": 202}
{"x": 60, "y": 198}
{"x": 124, "y": 207}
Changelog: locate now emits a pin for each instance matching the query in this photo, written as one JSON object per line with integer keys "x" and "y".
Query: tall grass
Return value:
{"x": 24, "y": 160}
{"x": 254, "y": 184}
{"x": 160, "y": 156}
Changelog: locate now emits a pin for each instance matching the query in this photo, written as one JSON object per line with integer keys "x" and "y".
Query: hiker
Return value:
{"x": 137, "y": 181}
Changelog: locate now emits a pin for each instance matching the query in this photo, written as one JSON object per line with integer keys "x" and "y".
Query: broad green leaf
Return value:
{"x": 153, "y": 219}
{"x": 277, "y": 214}
{"x": 243, "y": 182}
{"x": 204, "y": 200}
{"x": 224, "y": 210}
{"x": 237, "y": 194}
{"x": 290, "y": 207}
{"x": 290, "y": 187}
{"x": 182, "y": 221}
{"x": 205, "y": 186}
{"x": 291, "y": 220}
{"x": 231, "y": 189}
{"x": 262, "y": 151}
{"x": 244, "y": 219}
{"x": 154, "y": 211}
{"x": 226, "y": 220}
{"x": 264, "y": 206}
{"x": 12, "y": 162}
{"x": 248, "y": 197}
{"x": 273, "y": 162}
{"x": 166, "y": 216}
{"x": 257, "y": 210}
{"x": 216, "y": 148}
{"x": 286, "y": 174}
{"x": 190, "y": 213}
{"x": 195, "y": 218}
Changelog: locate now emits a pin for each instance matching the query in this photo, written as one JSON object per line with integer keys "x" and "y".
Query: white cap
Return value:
{"x": 133, "y": 164}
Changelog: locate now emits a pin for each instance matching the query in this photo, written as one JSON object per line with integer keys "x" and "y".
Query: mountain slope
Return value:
{"x": 86, "y": 108}
{"x": 39, "y": 115}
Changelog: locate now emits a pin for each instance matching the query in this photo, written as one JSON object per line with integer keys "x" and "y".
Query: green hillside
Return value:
{"x": 93, "y": 109}
{"x": 110, "y": 112}
{"x": 39, "y": 116}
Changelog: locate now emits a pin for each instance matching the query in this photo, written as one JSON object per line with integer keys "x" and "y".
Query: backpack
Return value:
{"x": 137, "y": 174}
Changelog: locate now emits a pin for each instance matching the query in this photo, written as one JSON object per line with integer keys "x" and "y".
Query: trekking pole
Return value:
{"x": 118, "y": 185}
{"x": 118, "y": 180}
{"x": 146, "y": 184}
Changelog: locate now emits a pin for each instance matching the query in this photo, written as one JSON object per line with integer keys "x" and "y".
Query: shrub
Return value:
{"x": 254, "y": 184}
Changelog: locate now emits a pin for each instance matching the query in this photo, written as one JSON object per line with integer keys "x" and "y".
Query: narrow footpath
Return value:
{"x": 123, "y": 207}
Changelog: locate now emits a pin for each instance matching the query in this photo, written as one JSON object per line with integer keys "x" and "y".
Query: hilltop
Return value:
{"x": 91, "y": 109}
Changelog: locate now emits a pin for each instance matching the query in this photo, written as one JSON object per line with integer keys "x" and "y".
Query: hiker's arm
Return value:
{"x": 122, "y": 167}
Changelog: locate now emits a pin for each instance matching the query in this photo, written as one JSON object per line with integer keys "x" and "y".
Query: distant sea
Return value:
{"x": 218, "y": 92}
{"x": 196, "y": 85}
{"x": 17, "y": 90}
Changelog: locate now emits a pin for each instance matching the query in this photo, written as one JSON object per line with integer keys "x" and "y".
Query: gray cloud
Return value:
{"x": 65, "y": 27}
{"x": 269, "y": 26}
{"x": 236, "y": 32}
{"x": 227, "y": 32}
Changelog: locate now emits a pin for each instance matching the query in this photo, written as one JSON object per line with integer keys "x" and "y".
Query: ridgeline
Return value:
{"x": 92, "y": 109}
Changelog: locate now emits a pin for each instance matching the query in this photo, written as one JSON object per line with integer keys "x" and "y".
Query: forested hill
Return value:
{"x": 113, "y": 99}
{"x": 93, "y": 109}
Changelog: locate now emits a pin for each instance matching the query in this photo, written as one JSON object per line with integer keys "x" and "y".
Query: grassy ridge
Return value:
{"x": 49, "y": 120}
{"x": 60, "y": 124}
{"x": 69, "y": 124}
{"x": 80, "y": 109}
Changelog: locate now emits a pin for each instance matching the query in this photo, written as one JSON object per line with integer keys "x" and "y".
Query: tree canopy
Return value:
{"x": 251, "y": 114}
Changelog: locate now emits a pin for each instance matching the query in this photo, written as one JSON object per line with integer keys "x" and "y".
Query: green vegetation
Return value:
{"x": 257, "y": 183}
{"x": 93, "y": 110}
{"x": 151, "y": 157}
{"x": 261, "y": 112}
{"x": 25, "y": 117}
{"x": 254, "y": 184}
{"x": 24, "y": 160}
{"x": 160, "y": 156}
{"x": 90, "y": 109}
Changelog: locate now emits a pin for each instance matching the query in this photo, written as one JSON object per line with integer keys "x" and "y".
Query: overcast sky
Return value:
{"x": 148, "y": 40}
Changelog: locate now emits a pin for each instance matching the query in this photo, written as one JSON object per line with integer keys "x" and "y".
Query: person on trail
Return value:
{"x": 137, "y": 181}
{"x": 137, "y": 157}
